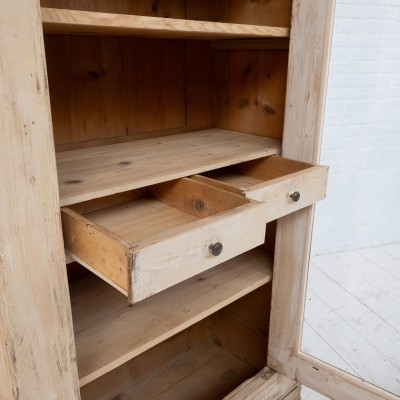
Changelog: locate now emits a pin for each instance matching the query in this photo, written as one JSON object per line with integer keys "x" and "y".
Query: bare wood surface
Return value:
{"x": 309, "y": 51}
{"x": 37, "y": 352}
{"x": 266, "y": 385}
{"x": 109, "y": 332}
{"x": 76, "y": 21}
{"x": 100, "y": 171}
{"x": 251, "y": 44}
{"x": 273, "y": 180}
{"x": 205, "y": 372}
{"x": 147, "y": 245}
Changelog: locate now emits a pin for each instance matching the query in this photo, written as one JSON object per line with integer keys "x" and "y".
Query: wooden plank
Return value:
{"x": 106, "y": 89}
{"x": 37, "y": 353}
{"x": 309, "y": 51}
{"x": 264, "y": 12}
{"x": 164, "y": 8}
{"x": 178, "y": 254}
{"x": 205, "y": 372}
{"x": 143, "y": 246}
{"x": 266, "y": 385}
{"x": 251, "y": 87}
{"x": 90, "y": 173}
{"x": 108, "y": 255}
{"x": 109, "y": 332}
{"x": 76, "y": 21}
{"x": 273, "y": 180}
{"x": 251, "y": 44}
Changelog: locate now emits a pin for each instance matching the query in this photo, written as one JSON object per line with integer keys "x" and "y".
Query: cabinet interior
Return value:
{"x": 107, "y": 90}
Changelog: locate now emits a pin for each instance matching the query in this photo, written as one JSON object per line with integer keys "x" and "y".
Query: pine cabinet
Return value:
{"x": 170, "y": 148}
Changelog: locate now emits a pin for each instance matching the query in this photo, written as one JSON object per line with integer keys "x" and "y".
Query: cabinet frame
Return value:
{"x": 310, "y": 45}
{"x": 45, "y": 365}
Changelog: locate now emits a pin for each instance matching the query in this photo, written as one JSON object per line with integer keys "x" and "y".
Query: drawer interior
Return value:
{"x": 139, "y": 215}
{"x": 249, "y": 175}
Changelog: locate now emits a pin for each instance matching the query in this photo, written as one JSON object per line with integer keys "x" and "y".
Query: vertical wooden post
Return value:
{"x": 312, "y": 23}
{"x": 37, "y": 352}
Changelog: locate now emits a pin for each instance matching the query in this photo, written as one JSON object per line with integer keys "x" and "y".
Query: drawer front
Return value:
{"x": 171, "y": 260}
{"x": 292, "y": 192}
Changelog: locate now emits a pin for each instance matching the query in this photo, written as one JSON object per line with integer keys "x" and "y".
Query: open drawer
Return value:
{"x": 284, "y": 185}
{"x": 149, "y": 239}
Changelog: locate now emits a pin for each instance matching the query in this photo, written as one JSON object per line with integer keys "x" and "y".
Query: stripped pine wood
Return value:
{"x": 274, "y": 180}
{"x": 166, "y": 8}
{"x": 205, "y": 372}
{"x": 146, "y": 245}
{"x": 311, "y": 29}
{"x": 109, "y": 89}
{"x": 100, "y": 171}
{"x": 109, "y": 332}
{"x": 266, "y": 385}
{"x": 77, "y": 21}
{"x": 37, "y": 352}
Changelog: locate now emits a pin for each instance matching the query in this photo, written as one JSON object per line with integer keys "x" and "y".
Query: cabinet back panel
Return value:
{"x": 108, "y": 87}
{"x": 260, "y": 12}
{"x": 152, "y": 8}
{"x": 250, "y": 88}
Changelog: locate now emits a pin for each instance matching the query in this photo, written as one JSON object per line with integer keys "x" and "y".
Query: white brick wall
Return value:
{"x": 361, "y": 142}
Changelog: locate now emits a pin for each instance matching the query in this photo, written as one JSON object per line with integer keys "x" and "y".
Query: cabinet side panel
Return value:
{"x": 36, "y": 336}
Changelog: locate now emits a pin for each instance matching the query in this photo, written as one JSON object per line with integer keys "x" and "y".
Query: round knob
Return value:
{"x": 295, "y": 196}
{"x": 216, "y": 249}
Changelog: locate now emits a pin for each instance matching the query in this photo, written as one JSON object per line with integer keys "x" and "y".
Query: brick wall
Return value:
{"x": 361, "y": 142}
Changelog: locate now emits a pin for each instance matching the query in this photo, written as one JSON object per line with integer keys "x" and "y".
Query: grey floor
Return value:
{"x": 352, "y": 315}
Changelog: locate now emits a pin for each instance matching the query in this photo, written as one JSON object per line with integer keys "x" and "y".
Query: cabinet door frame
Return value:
{"x": 311, "y": 33}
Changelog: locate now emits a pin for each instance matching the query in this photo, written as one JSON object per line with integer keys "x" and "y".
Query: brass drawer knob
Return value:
{"x": 295, "y": 196}
{"x": 216, "y": 249}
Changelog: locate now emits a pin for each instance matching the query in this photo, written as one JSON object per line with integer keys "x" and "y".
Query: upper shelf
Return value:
{"x": 57, "y": 20}
{"x": 95, "y": 172}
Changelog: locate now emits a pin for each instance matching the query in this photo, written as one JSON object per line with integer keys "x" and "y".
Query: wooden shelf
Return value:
{"x": 110, "y": 332}
{"x": 205, "y": 372}
{"x": 90, "y": 173}
{"x": 86, "y": 22}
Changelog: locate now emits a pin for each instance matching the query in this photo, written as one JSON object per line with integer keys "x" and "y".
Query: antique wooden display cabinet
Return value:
{"x": 179, "y": 138}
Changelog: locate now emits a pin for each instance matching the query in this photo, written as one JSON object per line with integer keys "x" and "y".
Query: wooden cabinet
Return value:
{"x": 182, "y": 131}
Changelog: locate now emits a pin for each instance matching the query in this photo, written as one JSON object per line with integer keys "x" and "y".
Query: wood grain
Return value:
{"x": 37, "y": 352}
{"x": 250, "y": 91}
{"x": 109, "y": 88}
{"x": 260, "y": 12}
{"x": 164, "y": 8}
{"x": 86, "y": 22}
{"x": 109, "y": 332}
{"x": 95, "y": 172}
{"x": 205, "y": 372}
{"x": 266, "y": 385}
{"x": 273, "y": 180}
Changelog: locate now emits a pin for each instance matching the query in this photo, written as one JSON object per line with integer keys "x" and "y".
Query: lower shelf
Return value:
{"x": 205, "y": 372}
{"x": 110, "y": 332}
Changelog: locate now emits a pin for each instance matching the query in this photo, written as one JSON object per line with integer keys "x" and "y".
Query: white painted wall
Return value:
{"x": 361, "y": 142}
